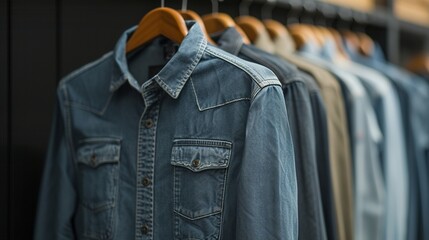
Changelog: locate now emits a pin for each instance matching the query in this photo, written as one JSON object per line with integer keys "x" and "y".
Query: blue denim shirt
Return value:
{"x": 301, "y": 120}
{"x": 200, "y": 150}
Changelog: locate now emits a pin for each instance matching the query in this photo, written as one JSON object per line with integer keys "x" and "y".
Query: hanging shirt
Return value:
{"x": 200, "y": 150}
{"x": 343, "y": 227}
{"x": 339, "y": 146}
{"x": 365, "y": 140}
{"x": 298, "y": 104}
{"x": 413, "y": 92}
{"x": 393, "y": 156}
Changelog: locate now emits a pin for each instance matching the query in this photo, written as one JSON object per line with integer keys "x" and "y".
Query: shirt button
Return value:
{"x": 148, "y": 123}
{"x": 93, "y": 159}
{"x": 145, "y": 229}
{"x": 146, "y": 182}
{"x": 196, "y": 163}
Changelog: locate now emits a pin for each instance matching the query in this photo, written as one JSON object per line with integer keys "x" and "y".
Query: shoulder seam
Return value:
{"x": 67, "y": 121}
{"x": 84, "y": 68}
{"x": 261, "y": 81}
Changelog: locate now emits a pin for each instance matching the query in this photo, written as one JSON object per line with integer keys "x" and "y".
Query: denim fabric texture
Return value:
{"x": 200, "y": 149}
{"x": 297, "y": 97}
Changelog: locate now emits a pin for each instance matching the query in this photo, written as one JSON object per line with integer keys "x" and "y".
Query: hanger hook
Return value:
{"x": 244, "y": 7}
{"x": 184, "y": 5}
{"x": 267, "y": 9}
{"x": 162, "y": 3}
{"x": 215, "y": 5}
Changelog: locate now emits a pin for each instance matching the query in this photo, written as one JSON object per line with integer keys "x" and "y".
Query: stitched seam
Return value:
{"x": 201, "y": 142}
{"x": 100, "y": 140}
{"x": 68, "y": 123}
{"x": 171, "y": 92}
{"x": 225, "y": 103}
{"x": 89, "y": 108}
{"x": 195, "y": 61}
{"x": 85, "y": 68}
{"x": 195, "y": 93}
{"x": 137, "y": 232}
{"x": 205, "y": 167}
{"x": 153, "y": 172}
{"x": 214, "y": 106}
{"x": 223, "y": 196}
{"x": 255, "y": 75}
{"x": 270, "y": 82}
{"x": 199, "y": 217}
{"x": 187, "y": 72}
{"x": 255, "y": 92}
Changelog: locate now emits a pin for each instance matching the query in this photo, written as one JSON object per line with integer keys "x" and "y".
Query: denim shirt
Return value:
{"x": 200, "y": 150}
{"x": 299, "y": 108}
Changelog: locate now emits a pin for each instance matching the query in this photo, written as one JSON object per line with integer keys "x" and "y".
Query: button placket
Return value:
{"x": 145, "y": 166}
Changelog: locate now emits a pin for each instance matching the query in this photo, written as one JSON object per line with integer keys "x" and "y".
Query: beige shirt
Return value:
{"x": 339, "y": 147}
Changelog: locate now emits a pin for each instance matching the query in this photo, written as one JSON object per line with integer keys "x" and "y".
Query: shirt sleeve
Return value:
{"x": 267, "y": 188}
{"x": 57, "y": 195}
{"x": 301, "y": 121}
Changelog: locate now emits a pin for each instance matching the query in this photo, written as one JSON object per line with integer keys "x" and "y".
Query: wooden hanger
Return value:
{"x": 319, "y": 34}
{"x": 275, "y": 29}
{"x": 160, "y": 21}
{"x": 252, "y": 26}
{"x": 351, "y": 38}
{"x": 191, "y": 15}
{"x": 218, "y": 22}
{"x": 419, "y": 64}
{"x": 366, "y": 46}
{"x": 342, "y": 53}
{"x": 301, "y": 34}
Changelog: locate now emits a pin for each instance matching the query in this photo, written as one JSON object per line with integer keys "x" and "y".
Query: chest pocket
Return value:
{"x": 98, "y": 172}
{"x": 200, "y": 172}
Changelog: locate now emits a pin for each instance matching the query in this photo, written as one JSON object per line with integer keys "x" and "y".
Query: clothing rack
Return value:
{"x": 50, "y": 38}
{"x": 400, "y": 39}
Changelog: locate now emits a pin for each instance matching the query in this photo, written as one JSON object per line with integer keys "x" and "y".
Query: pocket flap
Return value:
{"x": 199, "y": 155}
{"x": 94, "y": 152}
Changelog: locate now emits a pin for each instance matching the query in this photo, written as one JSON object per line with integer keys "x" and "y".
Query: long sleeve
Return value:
{"x": 311, "y": 221}
{"x": 267, "y": 188}
{"x": 57, "y": 197}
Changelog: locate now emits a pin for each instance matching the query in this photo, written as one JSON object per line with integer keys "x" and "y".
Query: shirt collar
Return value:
{"x": 176, "y": 72}
{"x": 229, "y": 40}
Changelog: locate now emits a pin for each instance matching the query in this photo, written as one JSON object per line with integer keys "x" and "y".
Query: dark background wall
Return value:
{"x": 40, "y": 42}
